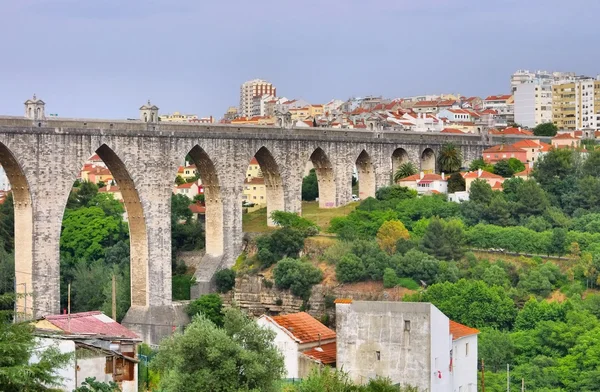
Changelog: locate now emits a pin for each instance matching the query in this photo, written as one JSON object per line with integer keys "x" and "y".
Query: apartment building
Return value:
{"x": 533, "y": 103}
{"x": 576, "y": 104}
{"x": 504, "y": 107}
{"x": 249, "y": 91}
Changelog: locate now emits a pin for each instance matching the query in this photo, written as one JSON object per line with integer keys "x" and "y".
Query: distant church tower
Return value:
{"x": 34, "y": 109}
{"x": 149, "y": 113}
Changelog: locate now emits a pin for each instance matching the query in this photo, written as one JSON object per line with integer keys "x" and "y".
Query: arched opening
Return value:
{"x": 29, "y": 112}
{"x": 145, "y": 117}
{"x": 152, "y": 117}
{"x": 428, "y": 161}
{"x": 399, "y": 157}
{"x": 39, "y": 113}
{"x": 16, "y": 234}
{"x": 366, "y": 176}
{"x": 104, "y": 235}
{"x": 263, "y": 186}
{"x": 196, "y": 219}
{"x": 325, "y": 176}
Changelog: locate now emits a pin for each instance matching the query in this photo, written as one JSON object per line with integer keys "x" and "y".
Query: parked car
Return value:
{"x": 355, "y": 198}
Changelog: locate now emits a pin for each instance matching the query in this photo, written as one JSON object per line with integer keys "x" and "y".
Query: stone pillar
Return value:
{"x": 384, "y": 174}
{"x": 344, "y": 162}
{"x": 366, "y": 175}
{"x": 232, "y": 223}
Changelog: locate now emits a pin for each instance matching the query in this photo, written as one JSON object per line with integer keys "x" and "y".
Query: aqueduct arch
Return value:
{"x": 399, "y": 157}
{"x": 428, "y": 161}
{"x": 366, "y": 175}
{"x": 325, "y": 178}
{"x": 23, "y": 231}
{"x": 273, "y": 182}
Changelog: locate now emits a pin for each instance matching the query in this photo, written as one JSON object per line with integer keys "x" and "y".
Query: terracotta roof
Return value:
{"x": 524, "y": 173}
{"x": 498, "y": 97}
{"x": 253, "y": 161}
{"x": 432, "y": 177}
{"x": 484, "y": 174}
{"x": 527, "y": 144}
{"x": 503, "y": 148}
{"x": 95, "y": 158}
{"x": 304, "y": 327}
{"x": 458, "y": 330}
{"x": 489, "y": 111}
{"x": 447, "y": 102}
{"x": 497, "y": 186}
{"x": 255, "y": 181}
{"x": 426, "y": 103}
{"x": 94, "y": 323}
{"x": 545, "y": 146}
{"x": 343, "y": 301}
{"x": 197, "y": 208}
{"x": 459, "y": 111}
{"x": 516, "y": 131}
{"x": 564, "y": 136}
{"x": 414, "y": 177}
{"x": 326, "y": 353}
{"x": 185, "y": 186}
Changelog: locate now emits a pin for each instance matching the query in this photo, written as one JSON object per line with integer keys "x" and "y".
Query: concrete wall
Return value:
{"x": 465, "y": 364}
{"x": 43, "y": 158}
{"x": 372, "y": 341}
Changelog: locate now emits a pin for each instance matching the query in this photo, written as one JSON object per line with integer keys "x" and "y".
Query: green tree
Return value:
{"x": 240, "y": 356}
{"x": 479, "y": 163}
{"x": 89, "y": 280}
{"x": 558, "y": 242}
{"x": 7, "y": 222}
{"x": 17, "y": 348}
{"x": 516, "y": 165}
{"x": 444, "y": 240}
{"x": 395, "y": 192}
{"x": 450, "y": 158}
{"x": 179, "y": 180}
{"x": 350, "y": 268}
{"x": 495, "y": 348}
{"x": 225, "y": 280}
{"x": 310, "y": 186}
{"x": 406, "y": 169}
{"x": 180, "y": 209}
{"x": 481, "y": 192}
{"x": 209, "y": 305}
{"x": 390, "y": 279}
{"x": 416, "y": 265}
{"x": 496, "y": 276}
{"x": 545, "y": 129}
{"x": 456, "y": 183}
{"x": 473, "y": 303}
{"x": 297, "y": 275}
{"x": 532, "y": 199}
{"x": 85, "y": 193}
{"x": 503, "y": 168}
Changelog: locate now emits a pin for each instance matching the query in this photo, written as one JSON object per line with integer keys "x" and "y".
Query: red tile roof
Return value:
{"x": 197, "y": 208}
{"x": 253, "y": 161}
{"x": 524, "y": 173}
{"x": 458, "y": 330}
{"x": 93, "y": 323}
{"x": 545, "y": 146}
{"x": 326, "y": 353}
{"x": 527, "y": 144}
{"x": 564, "y": 136}
{"x": 516, "y": 131}
{"x": 414, "y": 177}
{"x": 304, "y": 327}
{"x": 484, "y": 174}
{"x": 502, "y": 148}
{"x": 497, "y": 186}
{"x": 498, "y": 97}
{"x": 185, "y": 186}
{"x": 343, "y": 301}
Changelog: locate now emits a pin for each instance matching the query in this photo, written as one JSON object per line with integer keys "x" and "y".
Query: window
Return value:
{"x": 407, "y": 325}
{"x": 378, "y": 355}
{"x": 466, "y": 349}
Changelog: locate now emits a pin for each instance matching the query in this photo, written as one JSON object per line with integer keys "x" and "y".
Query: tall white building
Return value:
{"x": 533, "y": 103}
{"x": 249, "y": 91}
{"x": 543, "y": 77}
{"x": 4, "y": 184}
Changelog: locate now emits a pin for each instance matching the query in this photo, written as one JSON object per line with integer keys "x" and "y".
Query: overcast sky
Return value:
{"x": 104, "y": 58}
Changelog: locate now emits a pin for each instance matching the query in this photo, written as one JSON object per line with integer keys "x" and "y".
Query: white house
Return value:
{"x": 303, "y": 341}
{"x": 412, "y": 343}
{"x": 4, "y": 184}
{"x": 101, "y": 347}
{"x": 189, "y": 189}
{"x": 426, "y": 183}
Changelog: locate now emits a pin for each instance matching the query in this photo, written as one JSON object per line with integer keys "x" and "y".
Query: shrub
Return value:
{"x": 296, "y": 275}
{"x": 389, "y": 233}
{"x": 408, "y": 283}
{"x": 225, "y": 280}
{"x": 390, "y": 279}
{"x": 181, "y": 285}
{"x": 294, "y": 221}
{"x": 350, "y": 269}
{"x": 395, "y": 192}
{"x": 210, "y": 305}
{"x": 267, "y": 283}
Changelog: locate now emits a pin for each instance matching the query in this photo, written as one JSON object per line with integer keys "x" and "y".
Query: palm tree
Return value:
{"x": 405, "y": 170}
{"x": 450, "y": 158}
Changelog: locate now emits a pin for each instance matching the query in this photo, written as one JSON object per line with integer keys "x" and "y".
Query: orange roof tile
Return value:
{"x": 185, "y": 186}
{"x": 524, "y": 173}
{"x": 414, "y": 177}
{"x": 304, "y": 327}
{"x": 564, "y": 136}
{"x": 545, "y": 146}
{"x": 527, "y": 144}
{"x": 197, "y": 208}
{"x": 484, "y": 174}
{"x": 503, "y": 148}
{"x": 432, "y": 177}
{"x": 326, "y": 353}
{"x": 343, "y": 301}
{"x": 497, "y": 186}
{"x": 253, "y": 161}
{"x": 255, "y": 181}
{"x": 498, "y": 97}
{"x": 460, "y": 331}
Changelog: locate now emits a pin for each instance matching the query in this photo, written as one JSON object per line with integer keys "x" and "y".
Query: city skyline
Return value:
{"x": 192, "y": 58}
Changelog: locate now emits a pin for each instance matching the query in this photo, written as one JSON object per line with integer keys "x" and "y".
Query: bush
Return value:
{"x": 210, "y": 305}
{"x": 285, "y": 242}
{"x": 225, "y": 280}
{"x": 350, "y": 269}
{"x": 294, "y": 221}
{"x": 181, "y": 285}
{"x": 395, "y": 192}
{"x": 296, "y": 275}
{"x": 408, "y": 283}
{"x": 390, "y": 279}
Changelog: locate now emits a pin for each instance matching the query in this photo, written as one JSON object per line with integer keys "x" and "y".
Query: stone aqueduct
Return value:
{"x": 42, "y": 158}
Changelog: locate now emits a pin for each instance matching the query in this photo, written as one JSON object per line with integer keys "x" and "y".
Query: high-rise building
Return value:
{"x": 533, "y": 103}
{"x": 576, "y": 104}
{"x": 251, "y": 90}
{"x": 541, "y": 77}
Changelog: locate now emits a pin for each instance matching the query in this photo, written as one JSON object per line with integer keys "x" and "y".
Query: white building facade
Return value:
{"x": 533, "y": 104}
{"x": 4, "y": 184}
{"x": 251, "y": 89}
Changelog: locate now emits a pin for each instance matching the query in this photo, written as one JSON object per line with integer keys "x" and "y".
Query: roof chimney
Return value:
{"x": 479, "y": 171}
{"x": 443, "y": 176}
{"x": 421, "y": 174}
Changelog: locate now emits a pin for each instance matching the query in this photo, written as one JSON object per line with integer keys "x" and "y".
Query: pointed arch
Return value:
{"x": 273, "y": 182}
{"x": 399, "y": 157}
{"x": 213, "y": 225}
{"x": 23, "y": 232}
{"x": 138, "y": 238}
{"x": 428, "y": 161}
{"x": 325, "y": 178}
{"x": 366, "y": 175}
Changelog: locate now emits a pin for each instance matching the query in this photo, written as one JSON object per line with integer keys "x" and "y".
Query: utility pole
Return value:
{"x": 482, "y": 376}
{"x": 69, "y": 308}
{"x": 507, "y": 377}
{"x": 522, "y": 385}
{"x": 114, "y": 298}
